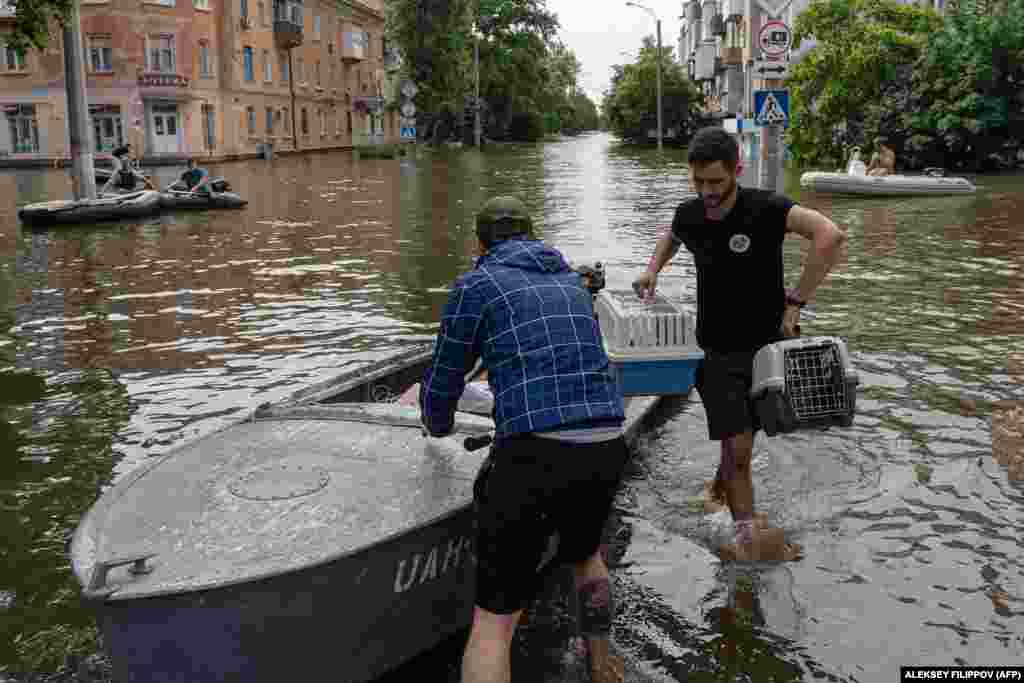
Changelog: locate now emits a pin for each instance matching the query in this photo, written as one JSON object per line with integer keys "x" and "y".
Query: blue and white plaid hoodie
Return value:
{"x": 527, "y": 314}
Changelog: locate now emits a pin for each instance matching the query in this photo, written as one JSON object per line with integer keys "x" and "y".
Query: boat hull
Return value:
{"x": 352, "y": 574}
{"x": 134, "y": 205}
{"x": 884, "y": 186}
{"x": 349, "y": 620}
{"x": 178, "y": 201}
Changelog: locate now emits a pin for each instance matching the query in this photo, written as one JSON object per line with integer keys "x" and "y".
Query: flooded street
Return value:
{"x": 119, "y": 340}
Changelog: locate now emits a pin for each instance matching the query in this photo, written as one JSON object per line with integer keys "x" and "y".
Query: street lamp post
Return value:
{"x": 657, "y": 22}
{"x": 476, "y": 101}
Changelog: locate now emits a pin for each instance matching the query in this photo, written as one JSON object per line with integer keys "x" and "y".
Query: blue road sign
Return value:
{"x": 408, "y": 133}
{"x": 771, "y": 108}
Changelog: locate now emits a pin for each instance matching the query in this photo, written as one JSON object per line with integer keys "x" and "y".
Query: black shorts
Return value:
{"x": 528, "y": 488}
{"x": 724, "y": 379}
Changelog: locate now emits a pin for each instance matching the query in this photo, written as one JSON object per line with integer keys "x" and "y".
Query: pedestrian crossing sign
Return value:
{"x": 771, "y": 107}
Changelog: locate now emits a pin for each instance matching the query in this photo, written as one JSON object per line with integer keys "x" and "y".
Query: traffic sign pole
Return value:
{"x": 774, "y": 39}
{"x": 772, "y": 144}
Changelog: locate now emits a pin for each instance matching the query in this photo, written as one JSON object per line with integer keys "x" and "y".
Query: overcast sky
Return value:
{"x": 598, "y": 30}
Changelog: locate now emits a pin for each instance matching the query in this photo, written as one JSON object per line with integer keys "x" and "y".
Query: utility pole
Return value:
{"x": 658, "y": 21}
{"x": 83, "y": 172}
{"x": 657, "y": 63}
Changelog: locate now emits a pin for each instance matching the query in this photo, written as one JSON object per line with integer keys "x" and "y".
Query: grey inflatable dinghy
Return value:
{"x": 177, "y": 197}
{"x": 105, "y": 208}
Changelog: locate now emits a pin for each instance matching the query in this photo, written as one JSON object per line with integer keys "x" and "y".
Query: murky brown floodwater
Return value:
{"x": 118, "y": 339}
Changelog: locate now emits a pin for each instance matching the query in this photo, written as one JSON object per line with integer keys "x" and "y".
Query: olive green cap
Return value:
{"x": 501, "y": 218}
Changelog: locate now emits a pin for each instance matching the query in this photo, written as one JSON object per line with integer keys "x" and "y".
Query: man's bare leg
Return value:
{"x": 754, "y": 542}
{"x": 488, "y": 654}
{"x": 596, "y": 610}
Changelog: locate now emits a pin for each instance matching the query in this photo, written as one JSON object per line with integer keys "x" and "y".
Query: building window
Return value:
{"x": 316, "y": 27}
{"x": 107, "y": 128}
{"x": 337, "y": 121}
{"x": 305, "y": 122}
{"x": 316, "y": 73}
{"x": 13, "y": 60}
{"x": 209, "y": 126}
{"x": 268, "y": 67}
{"x": 243, "y": 10}
{"x": 247, "y": 63}
{"x": 348, "y": 116}
{"x": 204, "y": 59}
{"x": 100, "y": 54}
{"x": 165, "y": 3}
{"x": 24, "y": 132}
{"x": 270, "y": 120}
{"x": 160, "y": 56}
{"x": 284, "y": 67}
{"x": 286, "y": 118}
{"x": 250, "y": 119}
{"x": 300, "y": 75}
{"x": 201, "y": 4}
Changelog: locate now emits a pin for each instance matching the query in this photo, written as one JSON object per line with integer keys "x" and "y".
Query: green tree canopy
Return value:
{"x": 630, "y": 106}
{"x": 860, "y": 45}
{"x": 528, "y": 80}
{"x": 947, "y": 89}
{"x": 32, "y": 22}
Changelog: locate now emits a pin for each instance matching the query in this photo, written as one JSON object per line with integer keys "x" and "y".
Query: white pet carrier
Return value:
{"x": 651, "y": 345}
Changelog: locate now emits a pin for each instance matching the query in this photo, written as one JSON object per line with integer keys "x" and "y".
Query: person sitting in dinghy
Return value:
{"x": 196, "y": 178}
{"x": 559, "y": 452}
{"x": 124, "y": 177}
{"x": 883, "y": 162}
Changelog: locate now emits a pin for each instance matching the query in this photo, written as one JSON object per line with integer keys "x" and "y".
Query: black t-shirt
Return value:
{"x": 740, "y": 287}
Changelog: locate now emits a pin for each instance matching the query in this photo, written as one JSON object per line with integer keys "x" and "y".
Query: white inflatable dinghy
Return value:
{"x": 889, "y": 185}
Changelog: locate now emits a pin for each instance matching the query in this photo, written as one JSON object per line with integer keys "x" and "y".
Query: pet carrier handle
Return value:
{"x": 472, "y": 443}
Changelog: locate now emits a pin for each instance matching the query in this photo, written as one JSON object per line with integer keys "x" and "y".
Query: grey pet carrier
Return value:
{"x": 803, "y": 384}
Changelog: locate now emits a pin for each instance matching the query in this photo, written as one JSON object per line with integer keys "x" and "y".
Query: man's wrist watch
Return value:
{"x": 793, "y": 300}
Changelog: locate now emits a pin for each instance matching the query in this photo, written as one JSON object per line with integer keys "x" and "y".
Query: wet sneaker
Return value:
{"x": 768, "y": 545}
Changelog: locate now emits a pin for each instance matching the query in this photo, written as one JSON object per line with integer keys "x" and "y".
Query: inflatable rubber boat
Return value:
{"x": 105, "y": 208}
{"x": 177, "y": 196}
{"x": 889, "y": 185}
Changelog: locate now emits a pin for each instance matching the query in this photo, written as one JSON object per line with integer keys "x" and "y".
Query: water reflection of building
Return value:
{"x": 195, "y": 77}
{"x": 38, "y": 307}
{"x": 990, "y": 224}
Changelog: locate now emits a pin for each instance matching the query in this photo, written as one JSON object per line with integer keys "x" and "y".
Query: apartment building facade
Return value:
{"x": 208, "y": 78}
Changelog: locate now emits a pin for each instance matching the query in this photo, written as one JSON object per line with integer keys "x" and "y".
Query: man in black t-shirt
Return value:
{"x": 735, "y": 235}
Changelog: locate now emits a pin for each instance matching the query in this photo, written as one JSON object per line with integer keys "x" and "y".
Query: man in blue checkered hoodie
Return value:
{"x": 559, "y": 451}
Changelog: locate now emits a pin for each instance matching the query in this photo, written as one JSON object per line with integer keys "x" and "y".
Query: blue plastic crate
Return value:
{"x": 657, "y": 377}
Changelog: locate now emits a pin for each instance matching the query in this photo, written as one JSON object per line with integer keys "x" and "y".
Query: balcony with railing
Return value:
{"x": 7, "y": 11}
{"x": 287, "y": 23}
{"x": 162, "y": 80}
{"x": 355, "y": 44}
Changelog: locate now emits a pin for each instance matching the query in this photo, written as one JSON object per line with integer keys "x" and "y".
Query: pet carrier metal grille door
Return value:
{"x": 815, "y": 381}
